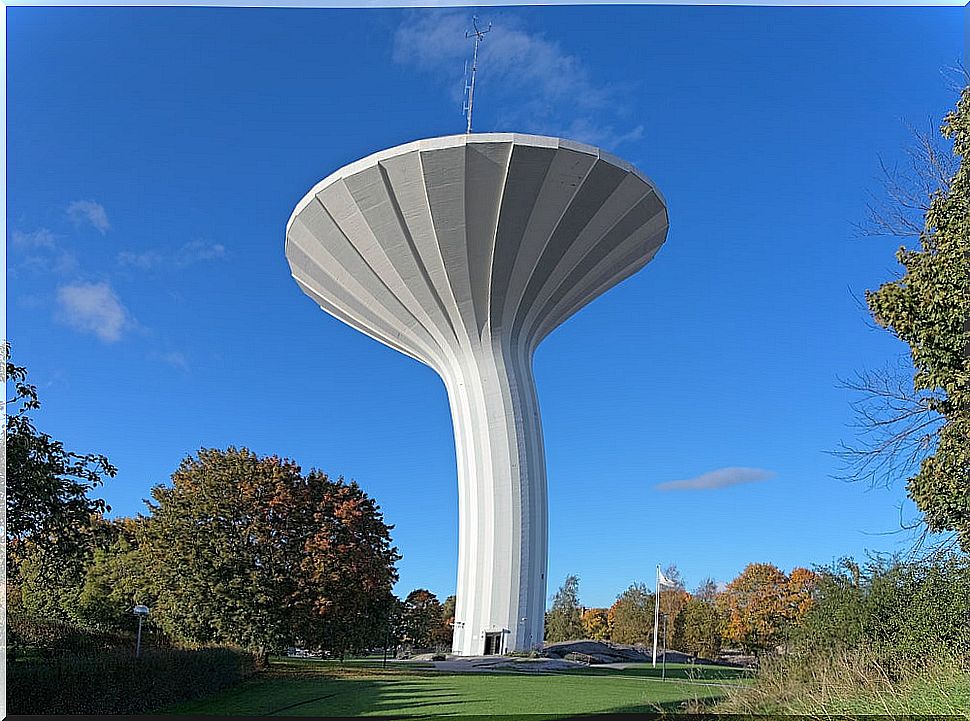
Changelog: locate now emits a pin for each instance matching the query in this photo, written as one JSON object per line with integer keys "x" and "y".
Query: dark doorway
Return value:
{"x": 493, "y": 643}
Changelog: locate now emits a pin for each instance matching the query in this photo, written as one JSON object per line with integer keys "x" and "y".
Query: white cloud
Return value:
{"x": 720, "y": 478}
{"x": 146, "y": 259}
{"x": 81, "y": 211}
{"x": 529, "y": 82}
{"x": 93, "y": 308}
{"x": 40, "y": 238}
{"x": 605, "y": 136}
{"x": 199, "y": 250}
{"x": 196, "y": 251}
{"x": 41, "y": 251}
{"x": 175, "y": 359}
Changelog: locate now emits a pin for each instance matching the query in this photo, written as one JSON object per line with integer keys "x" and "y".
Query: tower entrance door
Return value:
{"x": 493, "y": 643}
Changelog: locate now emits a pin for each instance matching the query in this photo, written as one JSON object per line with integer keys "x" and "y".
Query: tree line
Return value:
{"x": 237, "y": 549}
{"x": 754, "y": 613}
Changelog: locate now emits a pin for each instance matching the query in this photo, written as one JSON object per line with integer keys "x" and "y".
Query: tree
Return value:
{"x": 800, "y": 593}
{"x": 115, "y": 581}
{"x": 632, "y": 616}
{"x": 563, "y": 622}
{"x": 443, "y": 636}
{"x": 927, "y": 426}
{"x": 596, "y": 624}
{"x": 347, "y": 567}
{"x": 246, "y": 550}
{"x": 698, "y": 629}
{"x": 707, "y": 590}
{"x": 895, "y": 609}
{"x": 673, "y": 598}
{"x": 423, "y": 617}
{"x": 755, "y": 607}
{"x": 50, "y": 517}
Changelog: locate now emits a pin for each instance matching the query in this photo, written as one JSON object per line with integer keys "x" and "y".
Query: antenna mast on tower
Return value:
{"x": 479, "y": 35}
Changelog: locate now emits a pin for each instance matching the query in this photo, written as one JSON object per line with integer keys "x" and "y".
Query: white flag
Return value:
{"x": 662, "y": 579}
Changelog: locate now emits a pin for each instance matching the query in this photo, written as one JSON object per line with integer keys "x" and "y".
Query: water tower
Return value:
{"x": 464, "y": 252}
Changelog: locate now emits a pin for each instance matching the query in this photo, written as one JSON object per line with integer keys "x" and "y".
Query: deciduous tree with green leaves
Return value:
{"x": 50, "y": 516}
{"x": 928, "y": 308}
{"x": 53, "y": 524}
{"x": 632, "y": 616}
{"x": 422, "y": 618}
{"x": 563, "y": 621}
{"x": 247, "y": 550}
{"x": 698, "y": 629}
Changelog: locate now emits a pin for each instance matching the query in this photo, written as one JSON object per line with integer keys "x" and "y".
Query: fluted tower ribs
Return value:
{"x": 464, "y": 252}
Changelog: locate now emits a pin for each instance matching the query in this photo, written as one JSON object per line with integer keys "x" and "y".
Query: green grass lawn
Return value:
{"x": 294, "y": 687}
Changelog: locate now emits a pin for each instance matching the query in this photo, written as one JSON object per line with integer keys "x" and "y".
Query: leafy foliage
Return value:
{"x": 929, "y": 309}
{"x": 58, "y": 668}
{"x": 698, "y": 629}
{"x": 632, "y": 616}
{"x": 422, "y": 618}
{"x": 891, "y": 608}
{"x": 762, "y": 603}
{"x": 444, "y": 634}
{"x": 246, "y": 550}
{"x": 884, "y": 637}
{"x": 50, "y": 516}
{"x": 115, "y": 581}
{"x": 596, "y": 624}
{"x": 563, "y": 621}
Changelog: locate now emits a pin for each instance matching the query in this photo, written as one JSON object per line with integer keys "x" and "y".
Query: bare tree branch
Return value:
{"x": 900, "y": 208}
{"x": 895, "y": 426}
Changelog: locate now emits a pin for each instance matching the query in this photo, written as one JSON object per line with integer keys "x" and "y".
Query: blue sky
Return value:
{"x": 154, "y": 156}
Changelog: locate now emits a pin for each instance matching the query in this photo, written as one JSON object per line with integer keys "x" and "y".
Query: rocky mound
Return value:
{"x": 604, "y": 652}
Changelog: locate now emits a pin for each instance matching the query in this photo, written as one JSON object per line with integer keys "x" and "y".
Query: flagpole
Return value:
{"x": 656, "y": 617}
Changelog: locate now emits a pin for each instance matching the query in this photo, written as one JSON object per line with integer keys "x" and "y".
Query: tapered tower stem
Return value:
{"x": 503, "y": 528}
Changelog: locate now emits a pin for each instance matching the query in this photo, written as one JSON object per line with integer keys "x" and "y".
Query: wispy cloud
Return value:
{"x": 93, "y": 308}
{"x": 720, "y": 478}
{"x": 144, "y": 259}
{"x": 42, "y": 251}
{"x": 195, "y": 251}
{"x": 40, "y": 238}
{"x": 199, "y": 250}
{"x": 175, "y": 359}
{"x": 605, "y": 136}
{"x": 88, "y": 211}
{"x": 541, "y": 87}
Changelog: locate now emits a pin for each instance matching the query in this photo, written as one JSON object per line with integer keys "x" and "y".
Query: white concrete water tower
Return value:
{"x": 464, "y": 252}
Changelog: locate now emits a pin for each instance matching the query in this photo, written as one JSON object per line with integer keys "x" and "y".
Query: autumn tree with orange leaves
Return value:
{"x": 596, "y": 624}
{"x": 760, "y": 605}
{"x": 250, "y": 551}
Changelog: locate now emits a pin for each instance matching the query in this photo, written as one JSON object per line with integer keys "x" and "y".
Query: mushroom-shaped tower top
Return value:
{"x": 464, "y": 252}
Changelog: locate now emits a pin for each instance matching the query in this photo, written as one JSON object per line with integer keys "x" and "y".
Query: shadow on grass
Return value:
{"x": 328, "y": 689}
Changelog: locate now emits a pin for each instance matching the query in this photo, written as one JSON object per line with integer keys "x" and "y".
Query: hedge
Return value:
{"x": 55, "y": 668}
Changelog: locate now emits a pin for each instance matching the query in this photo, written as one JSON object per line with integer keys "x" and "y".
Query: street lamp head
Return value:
{"x": 140, "y": 610}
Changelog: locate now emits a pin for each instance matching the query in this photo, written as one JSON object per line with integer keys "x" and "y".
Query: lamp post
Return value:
{"x": 387, "y": 640}
{"x": 141, "y": 612}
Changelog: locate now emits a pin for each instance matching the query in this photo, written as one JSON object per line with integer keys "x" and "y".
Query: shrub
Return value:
{"x": 893, "y": 609}
{"x": 60, "y": 669}
{"x": 889, "y": 637}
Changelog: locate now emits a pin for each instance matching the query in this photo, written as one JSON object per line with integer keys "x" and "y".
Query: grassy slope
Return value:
{"x": 314, "y": 688}
{"x": 848, "y": 685}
